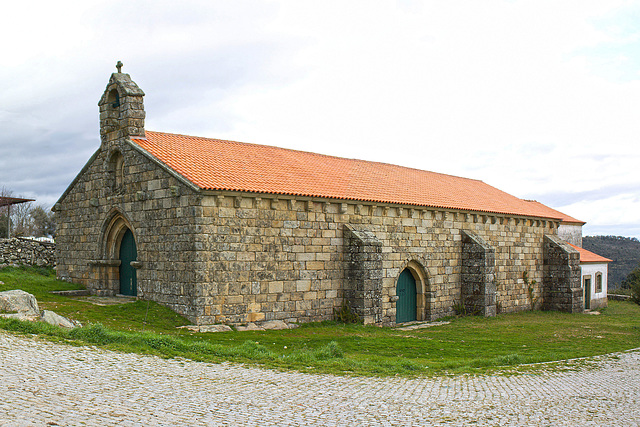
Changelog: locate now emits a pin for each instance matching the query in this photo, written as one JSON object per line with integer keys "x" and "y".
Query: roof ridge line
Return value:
{"x": 311, "y": 153}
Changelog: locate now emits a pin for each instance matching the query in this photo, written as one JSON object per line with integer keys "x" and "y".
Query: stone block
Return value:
{"x": 303, "y": 285}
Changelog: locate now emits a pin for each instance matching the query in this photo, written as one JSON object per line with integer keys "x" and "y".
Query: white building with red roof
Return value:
{"x": 594, "y": 277}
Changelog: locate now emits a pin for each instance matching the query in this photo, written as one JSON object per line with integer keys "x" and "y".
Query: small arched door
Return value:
{"x": 406, "y": 291}
{"x": 128, "y": 253}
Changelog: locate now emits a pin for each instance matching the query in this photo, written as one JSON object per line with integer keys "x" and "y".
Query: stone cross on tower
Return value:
{"x": 121, "y": 108}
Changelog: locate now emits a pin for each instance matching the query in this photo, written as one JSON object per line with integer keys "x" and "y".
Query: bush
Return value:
{"x": 509, "y": 359}
{"x": 330, "y": 351}
{"x": 96, "y": 333}
{"x": 254, "y": 350}
{"x": 164, "y": 343}
{"x": 632, "y": 282}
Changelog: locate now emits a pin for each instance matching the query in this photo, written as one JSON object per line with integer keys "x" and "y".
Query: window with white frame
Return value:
{"x": 598, "y": 282}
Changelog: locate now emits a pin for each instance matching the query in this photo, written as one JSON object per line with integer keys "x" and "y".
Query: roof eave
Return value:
{"x": 213, "y": 191}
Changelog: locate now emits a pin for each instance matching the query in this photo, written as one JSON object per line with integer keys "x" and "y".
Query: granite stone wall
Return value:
{"x": 571, "y": 233}
{"x": 283, "y": 258}
{"x": 478, "y": 275}
{"x": 225, "y": 257}
{"x": 562, "y": 285}
{"x": 16, "y": 251}
{"x": 363, "y": 284}
{"x": 160, "y": 211}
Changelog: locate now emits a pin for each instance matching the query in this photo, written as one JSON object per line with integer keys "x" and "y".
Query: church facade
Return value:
{"x": 228, "y": 232}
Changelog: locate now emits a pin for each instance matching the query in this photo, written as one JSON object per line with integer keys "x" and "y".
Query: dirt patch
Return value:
{"x": 104, "y": 301}
{"x": 421, "y": 325}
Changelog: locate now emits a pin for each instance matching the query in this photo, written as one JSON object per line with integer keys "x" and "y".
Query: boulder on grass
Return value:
{"x": 249, "y": 327}
{"x": 55, "y": 319}
{"x": 18, "y": 301}
{"x": 215, "y": 328}
{"x": 277, "y": 325}
{"x": 21, "y": 305}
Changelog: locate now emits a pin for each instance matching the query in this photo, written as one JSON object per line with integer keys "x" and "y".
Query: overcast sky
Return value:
{"x": 537, "y": 98}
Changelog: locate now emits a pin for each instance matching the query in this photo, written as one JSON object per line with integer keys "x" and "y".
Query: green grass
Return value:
{"x": 40, "y": 282}
{"x": 466, "y": 345}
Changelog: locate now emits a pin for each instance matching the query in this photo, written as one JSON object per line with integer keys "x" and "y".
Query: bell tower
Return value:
{"x": 121, "y": 108}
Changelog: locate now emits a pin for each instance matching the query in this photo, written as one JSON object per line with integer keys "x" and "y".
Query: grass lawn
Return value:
{"x": 466, "y": 345}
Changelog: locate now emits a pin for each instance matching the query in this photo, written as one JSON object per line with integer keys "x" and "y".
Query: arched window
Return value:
{"x": 114, "y": 99}
{"x": 116, "y": 172}
{"x": 598, "y": 282}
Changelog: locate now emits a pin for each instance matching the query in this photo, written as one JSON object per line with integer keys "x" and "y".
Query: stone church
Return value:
{"x": 224, "y": 231}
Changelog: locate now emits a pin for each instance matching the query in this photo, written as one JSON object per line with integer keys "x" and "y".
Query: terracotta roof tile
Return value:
{"x": 587, "y": 256}
{"x": 228, "y": 165}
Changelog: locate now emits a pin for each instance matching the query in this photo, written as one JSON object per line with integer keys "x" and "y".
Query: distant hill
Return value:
{"x": 624, "y": 251}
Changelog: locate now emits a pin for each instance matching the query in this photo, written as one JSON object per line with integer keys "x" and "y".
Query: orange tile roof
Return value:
{"x": 552, "y": 212}
{"x": 589, "y": 257}
{"x": 227, "y": 165}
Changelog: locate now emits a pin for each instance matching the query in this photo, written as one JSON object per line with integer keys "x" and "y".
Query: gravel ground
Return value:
{"x": 50, "y": 384}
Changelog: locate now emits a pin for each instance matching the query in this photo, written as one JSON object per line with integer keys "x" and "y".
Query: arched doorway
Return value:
{"x": 128, "y": 253}
{"x": 119, "y": 249}
{"x": 406, "y": 305}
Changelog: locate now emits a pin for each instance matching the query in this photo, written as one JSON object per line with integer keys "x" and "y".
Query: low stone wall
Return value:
{"x": 615, "y": 297}
{"x": 17, "y": 251}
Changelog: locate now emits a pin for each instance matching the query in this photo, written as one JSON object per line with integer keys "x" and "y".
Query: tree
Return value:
{"x": 633, "y": 282}
{"x": 4, "y": 192}
{"x": 26, "y": 219}
{"x": 43, "y": 222}
{"x": 3, "y": 226}
{"x": 21, "y": 217}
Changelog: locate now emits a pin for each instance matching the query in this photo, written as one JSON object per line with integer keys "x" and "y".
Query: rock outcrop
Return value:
{"x": 21, "y": 305}
{"x": 251, "y": 326}
{"x": 18, "y": 301}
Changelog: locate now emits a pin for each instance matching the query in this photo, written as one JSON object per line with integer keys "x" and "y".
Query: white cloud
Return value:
{"x": 609, "y": 213}
{"x": 538, "y": 98}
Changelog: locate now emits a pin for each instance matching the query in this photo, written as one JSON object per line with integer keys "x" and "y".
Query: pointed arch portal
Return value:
{"x": 414, "y": 295}
{"x": 128, "y": 253}
{"x": 119, "y": 244}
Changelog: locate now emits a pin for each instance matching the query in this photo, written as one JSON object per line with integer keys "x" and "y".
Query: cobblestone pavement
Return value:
{"x": 50, "y": 384}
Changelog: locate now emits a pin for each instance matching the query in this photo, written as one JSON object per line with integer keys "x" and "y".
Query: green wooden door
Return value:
{"x": 128, "y": 253}
{"x": 406, "y": 292}
{"x": 587, "y": 293}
